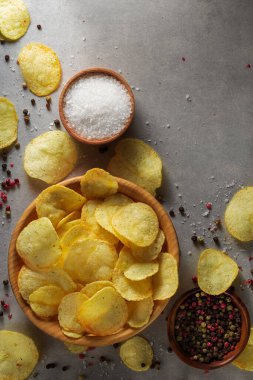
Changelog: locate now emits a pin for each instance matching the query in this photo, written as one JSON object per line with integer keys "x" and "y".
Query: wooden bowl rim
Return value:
{"x": 70, "y": 82}
{"x": 227, "y": 358}
{"x": 51, "y": 327}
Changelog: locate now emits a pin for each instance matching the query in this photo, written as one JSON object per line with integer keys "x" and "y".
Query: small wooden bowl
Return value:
{"x": 89, "y": 72}
{"x": 51, "y": 327}
{"x": 245, "y": 332}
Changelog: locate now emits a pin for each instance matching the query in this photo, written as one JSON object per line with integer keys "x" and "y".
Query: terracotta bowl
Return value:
{"x": 89, "y": 72}
{"x": 51, "y": 327}
{"x": 245, "y": 332}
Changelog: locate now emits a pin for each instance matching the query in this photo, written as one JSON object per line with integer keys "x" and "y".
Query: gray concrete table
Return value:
{"x": 189, "y": 62}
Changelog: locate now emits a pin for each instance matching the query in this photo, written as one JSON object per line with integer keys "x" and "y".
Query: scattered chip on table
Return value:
{"x": 137, "y": 354}
{"x": 8, "y": 123}
{"x": 14, "y": 19}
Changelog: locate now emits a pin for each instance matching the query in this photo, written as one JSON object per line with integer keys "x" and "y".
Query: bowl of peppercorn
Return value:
{"x": 206, "y": 331}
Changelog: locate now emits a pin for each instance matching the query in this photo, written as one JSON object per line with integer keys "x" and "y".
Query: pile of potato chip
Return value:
{"x": 95, "y": 260}
{"x": 14, "y": 19}
{"x": 8, "y": 123}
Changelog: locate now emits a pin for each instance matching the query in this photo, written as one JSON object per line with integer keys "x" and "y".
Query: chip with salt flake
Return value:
{"x": 56, "y": 202}
{"x": 165, "y": 281}
{"x": 98, "y": 183}
{"x": 38, "y": 244}
{"x": 151, "y": 252}
{"x": 50, "y": 157}
{"x": 74, "y": 215}
{"x": 103, "y": 314}
{"x": 14, "y": 19}
{"x": 93, "y": 287}
{"x": 67, "y": 312}
{"x": 139, "y": 312}
{"x": 137, "y": 354}
{"x": 8, "y": 123}
{"x": 40, "y": 68}
{"x": 18, "y": 354}
{"x": 245, "y": 359}
{"x": 137, "y": 224}
{"x": 216, "y": 271}
{"x": 139, "y": 271}
{"x": 239, "y": 215}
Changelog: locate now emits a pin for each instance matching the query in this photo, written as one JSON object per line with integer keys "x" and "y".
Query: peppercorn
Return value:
{"x": 65, "y": 367}
{"x": 17, "y": 145}
{"x": 181, "y": 210}
{"x": 170, "y": 349}
{"x": 172, "y": 213}
{"x": 24, "y": 85}
{"x": 216, "y": 240}
{"x": 194, "y": 238}
{"x": 7, "y": 58}
{"x": 4, "y": 166}
{"x": 57, "y": 123}
{"x": 1, "y": 313}
{"x": 48, "y": 106}
{"x": 39, "y": 27}
{"x": 27, "y": 119}
{"x": 25, "y": 111}
{"x": 33, "y": 102}
{"x": 2, "y": 42}
{"x": 4, "y": 156}
{"x": 5, "y": 282}
{"x": 51, "y": 365}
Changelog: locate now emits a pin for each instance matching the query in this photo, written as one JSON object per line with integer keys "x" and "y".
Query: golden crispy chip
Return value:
{"x": 90, "y": 260}
{"x": 57, "y": 201}
{"x": 92, "y": 288}
{"x": 245, "y": 359}
{"x": 130, "y": 290}
{"x": 137, "y": 354}
{"x": 106, "y": 210}
{"x": 216, "y": 271}
{"x": 151, "y": 252}
{"x": 165, "y": 281}
{"x": 67, "y": 226}
{"x": 8, "y": 123}
{"x": 74, "y": 215}
{"x": 97, "y": 183}
{"x": 40, "y": 68}
{"x": 76, "y": 348}
{"x": 139, "y": 271}
{"x": 14, "y": 19}
{"x": 49, "y": 295}
{"x": 72, "y": 335}
{"x": 103, "y": 314}
{"x": 67, "y": 312}
{"x": 50, "y": 157}
{"x": 239, "y": 215}
{"x": 57, "y": 276}
{"x": 136, "y": 224}
{"x": 137, "y": 162}
{"x": 44, "y": 311}
{"x": 18, "y": 355}
{"x": 78, "y": 232}
{"x": 139, "y": 312}
{"x": 38, "y": 244}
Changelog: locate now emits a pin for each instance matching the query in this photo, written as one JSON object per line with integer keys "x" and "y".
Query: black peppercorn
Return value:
{"x": 181, "y": 210}
{"x": 172, "y": 213}
{"x": 33, "y": 102}
{"x": 7, "y": 58}
{"x": 39, "y": 27}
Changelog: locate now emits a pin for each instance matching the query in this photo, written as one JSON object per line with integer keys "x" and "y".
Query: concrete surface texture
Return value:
{"x": 191, "y": 65}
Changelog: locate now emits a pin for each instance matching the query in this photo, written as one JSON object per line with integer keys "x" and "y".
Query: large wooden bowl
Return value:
{"x": 52, "y": 327}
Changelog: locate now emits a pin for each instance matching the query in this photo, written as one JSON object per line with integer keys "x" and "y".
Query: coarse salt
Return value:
{"x": 97, "y": 106}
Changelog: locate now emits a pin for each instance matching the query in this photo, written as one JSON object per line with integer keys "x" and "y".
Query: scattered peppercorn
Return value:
{"x": 4, "y": 156}
{"x": 1, "y": 313}
{"x": 25, "y": 111}
{"x": 8, "y": 214}
{"x": 16, "y": 180}
{"x": 251, "y": 272}
{"x": 51, "y": 365}
{"x": 172, "y": 213}
{"x": 24, "y": 85}
{"x": 27, "y": 119}
{"x": 209, "y": 205}
{"x": 248, "y": 66}
{"x": 48, "y": 106}
{"x": 17, "y": 145}
{"x": 5, "y": 282}
{"x": 4, "y": 166}
{"x": 217, "y": 222}
{"x": 160, "y": 198}
{"x": 39, "y": 27}
{"x": 2, "y": 42}
{"x": 33, "y": 102}
{"x": 103, "y": 149}
{"x": 181, "y": 210}
{"x": 6, "y": 306}
{"x": 7, "y": 58}
{"x": 194, "y": 238}
{"x": 170, "y": 350}
{"x": 65, "y": 367}
{"x": 8, "y": 172}
{"x": 216, "y": 240}
{"x": 57, "y": 123}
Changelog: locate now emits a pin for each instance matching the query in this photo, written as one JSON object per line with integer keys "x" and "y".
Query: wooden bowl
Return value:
{"x": 89, "y": 72}
{"x": 51, "y": 327}
{"x": 245, "y": 332}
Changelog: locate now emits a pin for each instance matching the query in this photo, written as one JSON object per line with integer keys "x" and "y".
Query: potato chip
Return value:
{"x": 14, "y": 19}
{"x": 103, "y": 314}
{"x": 74, "y": 215}
{"x": 78, "y": 232}
{"x": 165, "y": 281}
{"x": 216, "y": 271}
{"x": 245, "y": 359}
{"x": 75, "y": 348}
{"x": 44, "y": 311}
{"x": 139, "y": 312}
{"x": 40, "y": 68}
{"x": 67, "y": 312}
{"x": 50, "y": 295}
{"x": 97, "y": 183}
{"x": 38, "y": 244}
{"x": 151, "y": 252}
{"x": 130, "y": 290}
{"x": 137, "y": 354}
{"x": 57, "y": 201}
{"x": 50, "y": 157}
{"x": 140, "y": 271}
{"x": 106, "y": 210}
{"x": 137, "y": 162}
{"x": 18, "y": 355}
{"x": 136, "y": 223}
{"x": 239, "y": 215}
{"x": 72, "y": 335}
{"x": 67, "y": 226}
{"x": 8, "y": 123}
{"x": 57, "y": 276}
{"x": 90, "y": 260}
{"x": 92, "y": 288}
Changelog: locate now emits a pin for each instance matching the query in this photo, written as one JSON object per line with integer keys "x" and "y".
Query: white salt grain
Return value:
{"x": 97, "y": 106}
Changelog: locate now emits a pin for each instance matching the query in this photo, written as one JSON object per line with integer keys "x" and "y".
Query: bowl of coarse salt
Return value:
{"x": 96, "y": 106}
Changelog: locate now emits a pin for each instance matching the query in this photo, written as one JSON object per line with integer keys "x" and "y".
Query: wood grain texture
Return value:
{"x": 89, "y": 72}
{"x": 51, "y": 327}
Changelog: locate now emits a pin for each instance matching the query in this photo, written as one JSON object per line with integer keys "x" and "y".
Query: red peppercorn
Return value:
{"x": 194, "y": 279}
{"x": 8, "y": 208}
{"x": 16, "y": 181}
{"x": 209, "y": 344}
{"x": 81, "y": 356}
{"x": 11, "y": 165}
{"x": 248, "y": 66}
{"x": 183, "y": 59}
{"x": 209, "y": 205}
{"x": 10, "y": 316}
{"x": 226, "y": 344}
{"x": 6, "y": 306}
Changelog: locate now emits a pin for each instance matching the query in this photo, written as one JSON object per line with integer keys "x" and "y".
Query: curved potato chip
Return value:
{"x": 67, "y": 312}
{"x": 57, "y": 201}
{"x": 92, "y": 288}
{"x": 8, "y": 123}
{"x": 44, "y": 311}
{"x": 76, "y": 348}
{"x": 75, "y": 233}
{"x": 140, "y": 271}
{"x": 139, "y": 312}
{"x": 151, "y": 252}
{"x": 40, "y": 68}
{"x": 165, "y": 281}
{"x": 239, "y": 215}
{"x": 38, "y": 244}
{"x": 49, "y": 295}
{"x": 21, "y": 353}
{"x": 216, "y": 271}
{"x": 67, "y": 226}
{"x": 50, "y": 157}
{"x": 90, "y": 260}
{"x": 14, "y": 19}
{"x": 72, "y": 335}
{"x": 136, "y": 223}
{"x": 103, "y": 314}
{"x": 245, "y": 359}
{"x": 97, "y": 183}
{"x": 137, "y": 354}
{"x": 74, "y": 215}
